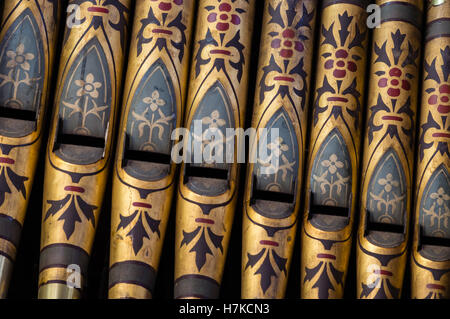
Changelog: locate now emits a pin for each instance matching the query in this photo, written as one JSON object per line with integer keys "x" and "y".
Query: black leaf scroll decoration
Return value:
{"x": 97, "y": 22}
{"x": 71, "y": 214}
{"x": 286, "y": 65}
{"x": 16, "y": 180}
{"x": 267, "y": 268}
{"x": 201, "y": 247}
{"x": 381, "y": 284}
{"x": 161, "y": 43}
{"x": 139, "y": 232}
{"x": 323, "y": 282}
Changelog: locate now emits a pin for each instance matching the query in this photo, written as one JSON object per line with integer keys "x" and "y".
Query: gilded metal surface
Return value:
{"x": 430, "y": 260}
{"x": 154, "y": 97}
{"x": 217, "y": 97}
{"x": 27, "y": 42}
{"x": 333, "y": 161}
{"x": 388, "y": 160}
{"x": 81, "y": 135}
{"x": 271, "y": 201}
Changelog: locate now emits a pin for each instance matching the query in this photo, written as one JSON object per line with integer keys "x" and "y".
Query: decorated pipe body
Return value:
{"x": 388, "y": 161}
{"x": 144, "y": 176}
{"x": 333, "y": 160}
{"x": 272, "y": 193}
{"x": 80, "y": 143}
{"x": 27, "y": 50}
{"x": 430, "y": 253}
{"x": 208, "y": 187}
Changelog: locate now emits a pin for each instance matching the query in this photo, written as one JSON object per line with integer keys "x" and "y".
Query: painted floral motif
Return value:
{"x": 9, "y": 178}
{"x": 435, "y": 132}
{"x": 70, "y": 209}
{"x": 383, "y": 287}
{"x": 19, "y": 58}
{"x": 206, "y": 240}
{"x": 222, "y": 16}
{"x": 19, "y": 65}
{"x": 339, "y": 90}
{"x": 439, "y": 212}
{"x": 143, "y": 225}
{"x": 342, "y": 64}
{"x": 331, "y": 178}
{"x": 271, "y": 165}
{"x": 395, "y": 67}
{"x": 160, "y": 121}
{"x": 88, "y": 86}
{"x": 272, "y": 265}
{"x": 387, "y": 200}
{"x": 164, "y": 26}
{"x": 214, "y": 121}
{"x": 86, "y": 104}
{"x": 291, "y": 31}
{"x": 396, "y": 84}
{"x": 109, "y": 14}
{"x": 222, "y": 48}
{"x": 166, "y": 6}
{"x": 213, "y": 140}
{"x": 325, "y": 277}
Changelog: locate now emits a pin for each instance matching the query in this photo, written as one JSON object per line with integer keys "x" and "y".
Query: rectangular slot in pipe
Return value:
{"x": 272, "y": 196}
{"x": 206, "y": 172}
{"x": 329, "y": 210}
{"x": 17, "y": 114}
{"x": 385, "y": 227}
{"x": 435, "y": 241}
{"x": 149, "y": 157}
{"x": 80, "y": 140}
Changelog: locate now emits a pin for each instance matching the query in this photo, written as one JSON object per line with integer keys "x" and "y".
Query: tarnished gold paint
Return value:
{"x": 26, "y": 152}
{"x": 423, "y": 283}
{"x": 317, "y": 260}
{"x": 94, "y": 175}
{"x": 125, "y": 195}
{"x": 253, "y": 230}
{"x": 235, "y": 89}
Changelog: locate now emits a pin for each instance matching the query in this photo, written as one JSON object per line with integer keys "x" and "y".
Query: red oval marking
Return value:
{"x": 269, "y": 242}
{"x": 443, "y": 109}
{"x": 435, "y": 286}
{"x": 165, "y": 6}
{"x": 288, "y": 43}
{"x": 337, "y": 99}
{"x": 382, "y": 272}
{"x": 444, "y": 99}
{"x": 395, "y": 72}
{"x": 447, "y": 135}
{"x": 288, "y": 33}
{"x": 225, "y": 7}
{"x": 204, "y": 221}
{"x": 225, "y": 52}
{"x": 392, "y": 118}
{"x": 340, "y": 64}
{"x": 141, "y": 204}
{"x": 74, "y": 189}
{"x": 222, "y": 26}
{"x": 98, "y": 9}
{"x": 7, "y": 160}
{"x": 341, "y": 54}
{"x": 395, "y": 82}
{"x": 283, "y": 78}
{"x": 327, "y": 256}
{"x": 224, "y": 17}
{"x": 162, "y": 31}
{"x": 339, "y": 74}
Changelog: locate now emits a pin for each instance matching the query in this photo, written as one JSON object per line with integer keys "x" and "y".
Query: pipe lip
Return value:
{"x": 58, "y": 291}
{"x": 6, "y": 268}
